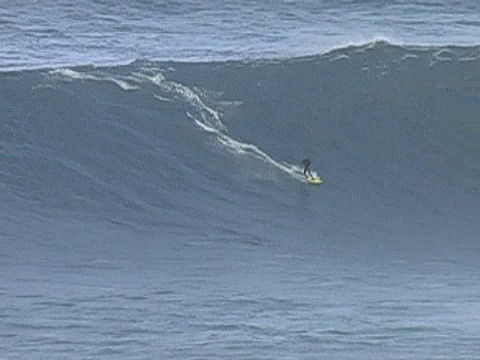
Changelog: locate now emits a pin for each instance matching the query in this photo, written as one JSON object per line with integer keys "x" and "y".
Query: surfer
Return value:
{"x": 306, "y": 168}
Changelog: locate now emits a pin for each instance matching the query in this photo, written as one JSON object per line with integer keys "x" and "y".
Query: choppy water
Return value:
{"x": 154, "y": 209}
{"x": 52, "y": 33}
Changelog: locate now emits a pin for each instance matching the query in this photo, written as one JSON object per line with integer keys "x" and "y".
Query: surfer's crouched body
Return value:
{"x": 306, "y": 167}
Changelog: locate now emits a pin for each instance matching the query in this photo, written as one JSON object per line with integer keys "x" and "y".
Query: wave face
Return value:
{"x": 207, "y": 149}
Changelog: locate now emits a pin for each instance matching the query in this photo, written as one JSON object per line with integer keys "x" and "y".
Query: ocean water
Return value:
{"x": 151, "y": 198}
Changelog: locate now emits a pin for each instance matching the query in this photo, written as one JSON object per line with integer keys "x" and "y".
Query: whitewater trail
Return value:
{"x": 210, "y": 121}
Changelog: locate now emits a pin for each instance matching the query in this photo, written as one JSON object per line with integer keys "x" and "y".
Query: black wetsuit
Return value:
{"x": 306, "y": 169}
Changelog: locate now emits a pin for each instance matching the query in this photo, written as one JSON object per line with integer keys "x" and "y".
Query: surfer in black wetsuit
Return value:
{"x": 306, "y": 167}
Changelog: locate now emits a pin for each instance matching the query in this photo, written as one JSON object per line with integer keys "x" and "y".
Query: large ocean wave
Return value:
{"x": 200, "y": 147}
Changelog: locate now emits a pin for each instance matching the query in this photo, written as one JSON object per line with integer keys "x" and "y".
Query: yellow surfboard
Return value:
{"x": 314, "y": 180}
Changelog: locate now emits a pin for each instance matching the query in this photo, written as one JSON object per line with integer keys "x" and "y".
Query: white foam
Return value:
{"x": 469, "y": 58}
{"x": 409, "y": 57}
{"x": 340, "y": 57}
{"x": 69, "y": 74}
{"x": 161, "y": 98}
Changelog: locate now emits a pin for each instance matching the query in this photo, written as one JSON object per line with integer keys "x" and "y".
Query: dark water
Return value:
{"x": 155, "y": 210}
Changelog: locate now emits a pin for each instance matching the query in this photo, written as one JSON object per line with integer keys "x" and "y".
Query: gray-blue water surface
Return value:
{"x": 83, "y": 290}
{"x": 52, "y": 33}
{"x": 155, "y": 210}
